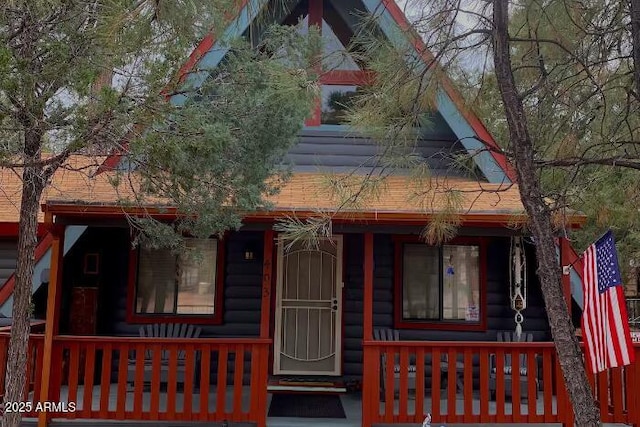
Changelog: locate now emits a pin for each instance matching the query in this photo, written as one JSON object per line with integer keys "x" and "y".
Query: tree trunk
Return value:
{"x": 566, "y": 343}
{"x": 635, "y": 37}
{"x": 32, "y": 187}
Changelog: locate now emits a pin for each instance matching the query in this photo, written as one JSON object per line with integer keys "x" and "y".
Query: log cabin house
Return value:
{"x": 374, "y": 327}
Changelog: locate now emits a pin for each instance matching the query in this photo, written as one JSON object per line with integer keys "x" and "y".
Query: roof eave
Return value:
{"x": 86, "y": 210}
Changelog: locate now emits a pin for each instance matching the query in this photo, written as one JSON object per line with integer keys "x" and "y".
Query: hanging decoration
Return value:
{"x": 449, "y": 272}
{"x": 518, "y": 280}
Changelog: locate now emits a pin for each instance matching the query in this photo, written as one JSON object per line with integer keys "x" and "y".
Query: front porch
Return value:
{"x": 92, "y": 373}
{"x": 222, "y": 376}
{"x": 351, "y": 402}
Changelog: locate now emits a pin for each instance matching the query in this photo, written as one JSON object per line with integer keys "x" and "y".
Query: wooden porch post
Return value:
{"x": 368, "y": 286}
{"x": 566, "y": 259}
{"x": 54, "y": 295}
{"x": 267, "y": 267}
{"x": 265, "y": 322}
{"x": 370, "y": 390}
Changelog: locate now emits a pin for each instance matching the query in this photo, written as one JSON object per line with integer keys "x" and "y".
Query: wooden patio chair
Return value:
{"x": 444, "y": 370}
{"x": 510, "y": 336}
{"x": 393, "y": 335}
{"x": 163, "y": 330}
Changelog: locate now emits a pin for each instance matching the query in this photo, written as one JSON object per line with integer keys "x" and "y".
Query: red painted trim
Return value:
{"x": 400, "y": 218}
{"x": 7, "y": 289}
{"x": 482, "y": 132}
{"x": 315, "y": 18}
{"x": 204, "y": 319}
{"x": 574, "y": 259}
{"x": 11, "y": 229}
{"x": 315, "y": 13}
{"x": 8, "y": 229}
{"x": 400, "y": 323}
{"x": 50, "y": 376}
{"x": 55, "y": 271}
{"x": 316, "y": 115}
{"x": 77, "y": 212}
{"x": 347, "y": 77}
{"x": 203, "y": 47}
{"x": 566, "y": 259}
{"x": 111, "y": 162}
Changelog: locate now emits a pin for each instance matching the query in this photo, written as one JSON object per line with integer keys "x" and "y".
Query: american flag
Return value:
{"x": 604, "y": 318}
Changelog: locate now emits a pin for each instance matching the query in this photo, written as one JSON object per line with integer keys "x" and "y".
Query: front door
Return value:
{"x": 308, "y": 309}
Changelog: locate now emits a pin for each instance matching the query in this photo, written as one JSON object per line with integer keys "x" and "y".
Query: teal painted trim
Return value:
{"x": 71, "y": 235}
{"x": 463, "y": 130}
{"x": 330, "y": 128}
{"x": 576, "y": 289}
{"x": 389, "y": 26}
{"x": 467, "y": 136}
{"x": 214, "y": 56}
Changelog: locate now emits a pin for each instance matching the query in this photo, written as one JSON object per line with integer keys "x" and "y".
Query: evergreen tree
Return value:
{"x": 561, "y": 87}
{"x": 91, "y": 77}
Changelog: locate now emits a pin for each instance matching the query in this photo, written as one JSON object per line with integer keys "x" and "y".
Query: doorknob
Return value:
{"x": 334, "y": 307}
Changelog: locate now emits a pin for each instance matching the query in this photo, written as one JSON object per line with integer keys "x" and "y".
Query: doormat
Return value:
{"x": 306, "y": 406}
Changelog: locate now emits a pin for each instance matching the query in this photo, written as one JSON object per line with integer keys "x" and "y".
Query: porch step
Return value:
{"x": 306, "y": 385}
{"x": 306, "y": 389}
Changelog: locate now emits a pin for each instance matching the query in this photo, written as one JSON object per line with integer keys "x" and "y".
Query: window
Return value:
{"x": 336, "y": 100}
{"x": 341, "y": 70}
{"x": 167, "y": 285}
{"x": 439, "y": 286}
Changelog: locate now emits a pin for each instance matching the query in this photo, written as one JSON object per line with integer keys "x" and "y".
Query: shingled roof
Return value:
{"x": 304, "y": 193}
{"x": 74, "y": 178}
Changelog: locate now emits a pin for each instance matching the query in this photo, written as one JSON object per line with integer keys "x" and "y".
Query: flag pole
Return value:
{"x": 582, "y": 255}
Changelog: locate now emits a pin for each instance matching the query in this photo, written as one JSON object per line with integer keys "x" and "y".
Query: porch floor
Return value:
{"x": 352, "y": 404}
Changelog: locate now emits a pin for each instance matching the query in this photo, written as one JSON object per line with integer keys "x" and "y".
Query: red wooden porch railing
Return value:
{"x": 538, "y": 393}
{"x": 211, "y": 391}
{"x": 131, "y": 378}
{"x": 35, "y": 353}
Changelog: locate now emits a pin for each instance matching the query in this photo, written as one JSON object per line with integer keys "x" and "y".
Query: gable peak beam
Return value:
{"x": 315, "y": 13}
{"x": 284, "y": 12}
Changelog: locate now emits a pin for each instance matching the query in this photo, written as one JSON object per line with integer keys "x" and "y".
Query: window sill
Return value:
{"x": 441, "y": 326}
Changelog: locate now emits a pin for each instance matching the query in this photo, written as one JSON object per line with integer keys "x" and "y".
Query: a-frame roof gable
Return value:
{"x": 392, "y": 22}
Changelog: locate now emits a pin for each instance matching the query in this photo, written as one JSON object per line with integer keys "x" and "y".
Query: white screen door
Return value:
{"x": 309, "y": 309}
